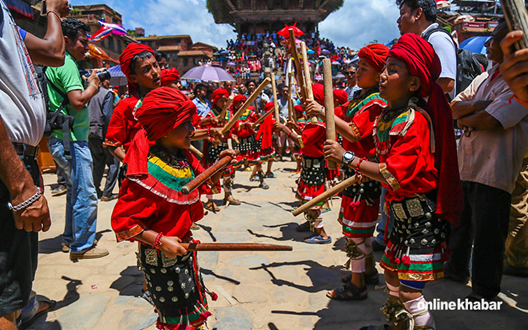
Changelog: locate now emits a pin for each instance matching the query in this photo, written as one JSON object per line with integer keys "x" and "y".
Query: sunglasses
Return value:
{"x": 351, "y": 73}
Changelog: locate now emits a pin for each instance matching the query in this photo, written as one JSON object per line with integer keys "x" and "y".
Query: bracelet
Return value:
{"x": 97, "y": 89}
{"x": 25, "y": 204}
{"x": 209, "y": 131}
{"x": 519, "y": 100}
{"x": 157, "y": 241}
{"x": 358, "y": 172}
{"x": 53, "y": 12}
{"x": 288, "y": 136}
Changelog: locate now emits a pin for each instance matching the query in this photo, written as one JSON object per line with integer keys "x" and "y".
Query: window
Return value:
{"x": 111, "y": 43}
{"x": 119, "y": 46}
{"x": 185, "y": 61}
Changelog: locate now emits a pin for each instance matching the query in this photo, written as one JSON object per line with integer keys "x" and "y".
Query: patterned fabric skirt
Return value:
{"x": 249, "y": 149}
{"x": 312, "y": 181}
{"x": 265, "y": 154}
{"x": 176, "y": 288}
{"x": 360, "y": 207}
{"x": 417, "y": 244}
{"x": 213, "y": 154}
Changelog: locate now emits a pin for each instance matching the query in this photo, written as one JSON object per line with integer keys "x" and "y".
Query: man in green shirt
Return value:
{"x": 81, "y": 207}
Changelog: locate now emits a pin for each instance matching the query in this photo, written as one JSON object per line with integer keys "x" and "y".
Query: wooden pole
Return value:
{"x": 222, "y": 115}
{"x": 290, "y": 100}
{"x": 206, "y": 175}
{"x": 517, "y": 19}
{"x": 275, "y": 98}
{"x": 298, "y": 67}
{"x": 307, "y": 77}
{"x": 326, "y": 195}
{"x": 196, "y": 151}
{"x": 244, "y": 107}
{"x": 329, "y": 105}
{"x": 235, "y": 247}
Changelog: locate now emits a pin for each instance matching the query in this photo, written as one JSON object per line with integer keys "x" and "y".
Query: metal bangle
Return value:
{"x": 25, "y": 204}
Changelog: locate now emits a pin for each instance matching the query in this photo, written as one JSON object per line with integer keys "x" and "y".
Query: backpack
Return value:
{"x": 55, "y": 120}
{"x": 468, "y": 67}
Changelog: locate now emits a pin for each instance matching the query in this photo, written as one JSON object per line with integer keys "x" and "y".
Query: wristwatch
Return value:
{"x": 348, "y": 157}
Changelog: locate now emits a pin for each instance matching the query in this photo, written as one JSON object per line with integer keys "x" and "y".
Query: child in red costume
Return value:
{"x": 360, "y": 202}
{"x": 152, "y": 210}
{"x": 312, "y": 181}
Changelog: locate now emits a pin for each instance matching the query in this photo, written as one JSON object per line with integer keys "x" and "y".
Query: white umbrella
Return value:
{"x": 464, "y": 19}
{"x": 441, "y": 4}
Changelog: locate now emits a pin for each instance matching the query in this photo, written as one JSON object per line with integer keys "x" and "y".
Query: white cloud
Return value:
{"x": 358, "y": 22}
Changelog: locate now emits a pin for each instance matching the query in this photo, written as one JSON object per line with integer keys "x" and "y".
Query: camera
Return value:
{"x": 103, "y": 75}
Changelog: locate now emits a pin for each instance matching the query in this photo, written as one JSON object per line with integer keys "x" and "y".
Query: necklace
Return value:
{"x": 389, "y": 114}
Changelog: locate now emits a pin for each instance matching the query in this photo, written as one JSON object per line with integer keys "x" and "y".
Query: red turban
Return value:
{"x": 126, "y": 58}
{"x": 269, "y": 106}
{"x": 375, "y": 55}
{"x": 218, "y": 93}
{"x": 163, "y": 110}
{"x": 318, "y": 93}
{"x": 239, "y": 97}
{"x": 422, "y": 62}
{"x": 168, "y": 76}
{"x": 340, "y": 96}
{"x": 298, "y": 108}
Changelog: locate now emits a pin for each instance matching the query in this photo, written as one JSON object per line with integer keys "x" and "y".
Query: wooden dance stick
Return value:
{"x": 196, "y": 151}
{"x": 235, "y": 247}
{"x": 206, "y": 175}
{"x": 298, "y": 67}
{"x": 329, "y": 105}
{"x": 244, "y": 107}
{"x": 264, "y": 116}
{"x": 222, "y": 116}
{"x": 517, "y": 19}
{"x": 290, "y": 101}
{"x": 307, "y": 77}
{"x": 326, "y": 195}
{"x": 275, "y": 98}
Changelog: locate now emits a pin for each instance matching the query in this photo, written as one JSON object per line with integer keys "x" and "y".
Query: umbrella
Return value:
{"x": 325, "y": 51}
{"x": 216, "y": 54}
{"x": 335, "y": 63}
{"x": 118, "y": 78}
{"x": 475, "y": 45}
{"x": 310, "y": 51}
{"x": 465, "y": 19}
{"x": 285, "y": 31}
{"x": 339, "y": 76}
{"x": 231, "y": 63}
{"x": 318, "y": 77}
{"x": 208, "y": 73}
{"x": 440, "y": 4}
{"x": 225, "y": 52}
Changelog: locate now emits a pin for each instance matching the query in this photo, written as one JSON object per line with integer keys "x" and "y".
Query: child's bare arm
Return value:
{"x": 169, "y": 245}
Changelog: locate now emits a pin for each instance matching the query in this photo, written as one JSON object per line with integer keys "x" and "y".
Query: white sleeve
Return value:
{"x": 446, "y": 51}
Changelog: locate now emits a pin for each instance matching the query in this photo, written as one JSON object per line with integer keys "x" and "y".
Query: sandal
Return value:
{"x": 372, "y": 278}
{"x": 270, "y": 175}
{"x": 317, "y": 239}
{"x": 212, "y": 207}
{"x": 264, "y": 185}
{"x": 195, "y": 226}
{"x": 232, "y": 201}
{"x": 51, "y": 306}
{"x": 254, "y": 178}
{"x": 303, "y": 227}
{"x": 348, "y": 292}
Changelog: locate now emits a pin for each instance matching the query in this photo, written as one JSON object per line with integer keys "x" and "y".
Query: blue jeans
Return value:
{"x": 381, "y": 226}
{"x": 81, "y": 199}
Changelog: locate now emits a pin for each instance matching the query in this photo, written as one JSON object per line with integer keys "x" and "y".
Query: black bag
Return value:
{"x": 55, "y": 120}
{"x": 468, "y": 67}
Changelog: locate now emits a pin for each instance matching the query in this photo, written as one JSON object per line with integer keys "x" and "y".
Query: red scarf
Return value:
{"x": 422, "y": 61}
{"x": 266, "y": 128}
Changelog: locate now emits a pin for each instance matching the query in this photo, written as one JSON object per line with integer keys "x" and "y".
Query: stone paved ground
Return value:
{"x": 265, "y": 290}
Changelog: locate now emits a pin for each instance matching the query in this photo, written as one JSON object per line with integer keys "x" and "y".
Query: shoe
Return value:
{"x": 254, "y": 178}
{"x": 109, "y": 198}
{"x": 25, "y": 323}
{"x": 349, "y": 292}
{"x": 92, "y": 253}
{"x": 231, "y": 200}
{"x": 60, "y": 190}
{"x": 66, "y": 247}
{"x": 372, "y": 278}
{"x": 377, "y": 246}
{"x": 270, "y": 175}
{"x": 212, "y": 207}
{"x": 514, "y": 271}
{"x": 318, "y": 239}
{"x": 264, "y": 186}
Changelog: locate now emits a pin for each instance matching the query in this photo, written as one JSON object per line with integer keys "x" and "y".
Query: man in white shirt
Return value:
{"x": 419, "y": 17}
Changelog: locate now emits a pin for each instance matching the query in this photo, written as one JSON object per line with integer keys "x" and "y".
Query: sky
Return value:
{"x": 355, "y": 24}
